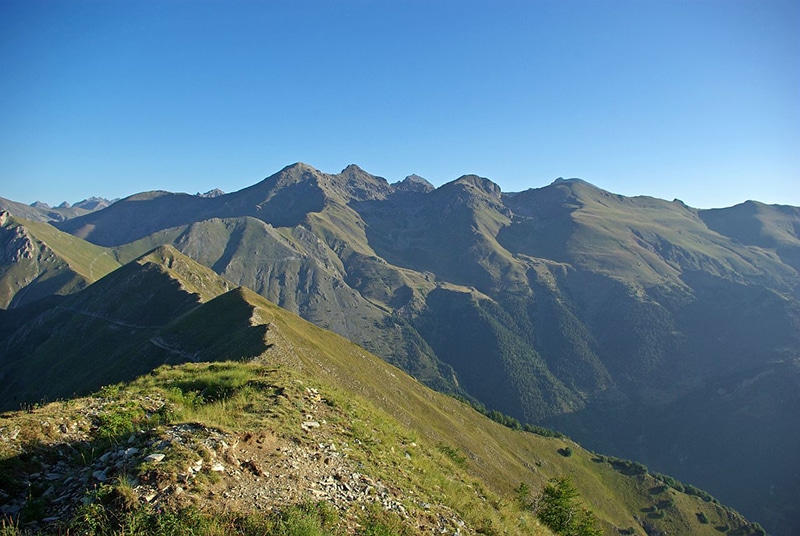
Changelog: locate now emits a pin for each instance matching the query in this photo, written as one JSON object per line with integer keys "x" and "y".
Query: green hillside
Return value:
{"x": 773, "y": 227}
{"x": 314, "y": 432}
{"x": 40, "y": 261}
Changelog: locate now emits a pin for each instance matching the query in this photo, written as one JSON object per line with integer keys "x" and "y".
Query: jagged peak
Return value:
{"x": 352, "y": 168}
{"x": 357, "y": 184}
{"x": 354, "y": 171}
{"x": 216, "y": 192}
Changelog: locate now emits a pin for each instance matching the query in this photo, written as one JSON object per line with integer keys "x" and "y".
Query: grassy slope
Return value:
{"x": 458, "y": 460}
{"x": 498, "y": 456}
{"x": 769, "y": 226}
{"x": 57, "y": 262}
{"x": 640, "y": 240}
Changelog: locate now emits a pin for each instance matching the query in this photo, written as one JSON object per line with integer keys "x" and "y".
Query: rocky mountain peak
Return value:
{"x": 481, "y": 183}
{"x": 413, "y": 183}
{"x": 356, "y": 184}
{"x": 216, "y": 192}
{"x": 293, "y": 173}
{"x": 94, "y": 203}
{"x": 574, "y": 183}
{"x": 352, "y": 169}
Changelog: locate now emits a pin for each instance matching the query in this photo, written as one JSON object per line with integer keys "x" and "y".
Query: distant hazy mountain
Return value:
{"x": 216, "y": 192}
{"x": 642, "y": 327}
{"x": 40, "y": 211}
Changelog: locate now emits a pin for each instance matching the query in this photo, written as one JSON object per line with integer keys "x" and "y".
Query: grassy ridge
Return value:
{"x": 446, "y": 458}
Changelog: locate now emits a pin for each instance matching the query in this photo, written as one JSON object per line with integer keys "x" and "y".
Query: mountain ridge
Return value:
{"x": 564, "y": 305}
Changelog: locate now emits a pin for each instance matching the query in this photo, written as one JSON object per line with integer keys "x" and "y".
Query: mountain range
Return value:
{"x": 640, "y": 327}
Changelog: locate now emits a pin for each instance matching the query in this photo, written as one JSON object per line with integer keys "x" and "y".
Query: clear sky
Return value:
{"x": 698, "y": 100}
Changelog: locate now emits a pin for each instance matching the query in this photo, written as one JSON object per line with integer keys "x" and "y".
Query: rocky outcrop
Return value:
{"x": 172, "y": 466}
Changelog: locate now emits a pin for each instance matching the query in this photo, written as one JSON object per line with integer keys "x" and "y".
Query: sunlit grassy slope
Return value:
{"x": 433, "y": 448}
{"x": 43, "y": 261}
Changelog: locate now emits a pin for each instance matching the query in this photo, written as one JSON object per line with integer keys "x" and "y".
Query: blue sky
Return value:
{"x": 698, "y": 100}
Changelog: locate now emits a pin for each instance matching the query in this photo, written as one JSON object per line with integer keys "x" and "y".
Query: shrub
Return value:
{"x": 523, "y": 493}
{"x": 560, "y": 510}
{"x": 452, "y": 453}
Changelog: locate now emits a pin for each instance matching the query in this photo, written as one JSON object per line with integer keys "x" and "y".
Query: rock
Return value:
{"x": 102, "y": 476}
{"x": 308, "y": 425}
{"x": 131, "y": 452}
{"x": 217, "y": 467}
{"x": 155, "y": 457}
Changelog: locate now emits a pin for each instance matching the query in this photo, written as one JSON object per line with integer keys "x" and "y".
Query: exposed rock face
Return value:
{"x": 17, "y": 245}
{"x": 216, "y": 192}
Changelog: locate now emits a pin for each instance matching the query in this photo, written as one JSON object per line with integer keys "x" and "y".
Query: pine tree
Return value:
{"x": 560, "y": 510}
